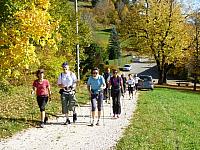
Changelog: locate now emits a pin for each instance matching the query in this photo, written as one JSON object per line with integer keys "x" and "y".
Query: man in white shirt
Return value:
{"x": 67, "y": 82}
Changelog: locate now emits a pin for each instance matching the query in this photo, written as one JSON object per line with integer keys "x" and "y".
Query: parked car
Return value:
{"x": 145, "y": 82}
{"x": 126, "y": 67}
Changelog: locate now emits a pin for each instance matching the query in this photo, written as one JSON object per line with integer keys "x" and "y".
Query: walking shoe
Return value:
{"x": 74, "y": 117}
{"x": 67, "y": 122}
{"x": 45, "y": 119}
{"x": 92, "y": 124}
{"x": 42, "y": 125}
{"x": 98, "y": 123}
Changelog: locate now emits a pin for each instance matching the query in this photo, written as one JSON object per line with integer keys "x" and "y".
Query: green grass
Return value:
{"x": 121, "y": 62}
{"x": 164, "y": 119}
{"x": 19, "y": 110}
{"x": 81, "y": 4}
{"x": 102, "y": 37}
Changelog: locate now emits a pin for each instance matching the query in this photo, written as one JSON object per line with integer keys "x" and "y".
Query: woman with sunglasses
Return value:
{"x": 96, "y": 84}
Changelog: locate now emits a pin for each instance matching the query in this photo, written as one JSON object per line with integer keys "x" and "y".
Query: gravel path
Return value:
{"x": 78, "y": 136}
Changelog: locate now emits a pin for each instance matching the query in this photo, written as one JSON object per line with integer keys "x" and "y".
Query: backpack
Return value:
{"x": 61, "y": 90}
{"x": 118, "y": 82}
{"x": 106, "y": 77}
{"x": 115, "y": 89}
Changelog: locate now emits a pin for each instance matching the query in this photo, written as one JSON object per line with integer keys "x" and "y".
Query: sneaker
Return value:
{"x": 114, "y": 117}
{"x": 45, "y": 119}
{"x": 92, "y": 124}
{"x": 74, "y": 117}
{"x": 67, "y": 122}
{"x": 42, "y": 125}
{"x": 98, "y": 123}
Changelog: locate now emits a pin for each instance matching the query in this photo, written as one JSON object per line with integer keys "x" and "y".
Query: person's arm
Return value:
{"x": 109, "y": 84}
{"x": 103, "y": 86}
{"x": 74, "y": 78}
{"x": 33, "y": 91}
{"x": 89, "y": 87}
{"x": 60, "y": 85}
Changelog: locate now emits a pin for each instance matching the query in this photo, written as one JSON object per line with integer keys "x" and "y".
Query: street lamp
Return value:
{"x": 77, "y": 44}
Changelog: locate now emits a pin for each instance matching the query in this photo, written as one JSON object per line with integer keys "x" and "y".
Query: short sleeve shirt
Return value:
{"x": 41, "y": 87}
{"x": 96, "y": 83}
{"x": 67, "y": 79}
{"x": 131, "y": 82}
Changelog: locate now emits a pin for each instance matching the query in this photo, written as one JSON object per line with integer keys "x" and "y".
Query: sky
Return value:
{"x": 191, "y": 4}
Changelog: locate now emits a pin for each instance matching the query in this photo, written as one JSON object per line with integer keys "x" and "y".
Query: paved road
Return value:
{"x": 144, "y": 69}
{"x": 150, "y": 69}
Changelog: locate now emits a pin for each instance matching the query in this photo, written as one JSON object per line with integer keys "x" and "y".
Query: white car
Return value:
{"x": 127, "y": 67}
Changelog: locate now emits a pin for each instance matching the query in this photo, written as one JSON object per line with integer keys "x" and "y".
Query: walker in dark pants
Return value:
{"x": 115, "y": 93}
{"x": 130, "y": 90}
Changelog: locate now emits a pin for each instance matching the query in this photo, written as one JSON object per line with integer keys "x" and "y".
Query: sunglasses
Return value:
{"x": 94, "y": 73}
{"x": 65, "y": 69}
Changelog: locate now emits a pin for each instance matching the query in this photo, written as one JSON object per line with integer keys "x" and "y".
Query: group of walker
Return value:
{"x": 99, "y": 87}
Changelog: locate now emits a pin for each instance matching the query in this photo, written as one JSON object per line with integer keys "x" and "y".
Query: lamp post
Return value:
{"x": 77, "y": 45}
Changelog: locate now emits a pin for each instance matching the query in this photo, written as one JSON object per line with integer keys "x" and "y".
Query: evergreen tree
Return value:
{"x": 94, "y": 2}
{"x": 114, "y": 47}
{"x": 93, "y": 56}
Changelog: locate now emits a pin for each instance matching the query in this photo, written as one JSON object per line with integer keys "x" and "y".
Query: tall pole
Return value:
{"x": 77, "y": 45}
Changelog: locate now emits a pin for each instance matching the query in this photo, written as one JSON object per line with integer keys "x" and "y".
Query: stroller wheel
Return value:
{"x": 74, "y": 117}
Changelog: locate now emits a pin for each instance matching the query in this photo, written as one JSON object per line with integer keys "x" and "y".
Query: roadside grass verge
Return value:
{"x": 19, "y": 110}
{"x": 121, "y": 61}
{"x": 165, "y": 119}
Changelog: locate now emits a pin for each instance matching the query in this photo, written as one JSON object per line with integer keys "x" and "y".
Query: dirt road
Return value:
{"x": 78, "y": 136}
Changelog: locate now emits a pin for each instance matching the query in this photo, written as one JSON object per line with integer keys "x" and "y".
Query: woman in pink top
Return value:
{"x": 41, "y": 87}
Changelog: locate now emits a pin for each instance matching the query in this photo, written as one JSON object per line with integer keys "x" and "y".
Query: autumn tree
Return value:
{"x": 62, "y": 11}
{"x": 28, "y": 23}
{"x": 158, "y": 29}
{"x": 194, "y": 60}
{"x": 38, "y": 33}
{"x": 105, "y": 12}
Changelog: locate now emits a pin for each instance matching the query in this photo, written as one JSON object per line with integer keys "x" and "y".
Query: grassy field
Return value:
{"x": 19, "y": 110}
{"x": 102, "y": 37}
{"x": 164, "y": 119}
{"x": 121, "y": 62}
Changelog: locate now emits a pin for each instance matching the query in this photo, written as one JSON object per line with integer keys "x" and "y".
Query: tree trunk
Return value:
{"x": 163, "y": 73}
{"x": 162, "y": 79}
{"x": 195, "y": 83}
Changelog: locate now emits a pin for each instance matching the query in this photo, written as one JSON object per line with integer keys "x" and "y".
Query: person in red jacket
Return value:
{"x": 41, "y": 88}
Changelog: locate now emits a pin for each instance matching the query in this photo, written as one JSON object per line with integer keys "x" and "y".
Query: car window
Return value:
{"x": 145, "y": 78}
{"x": 126, "y": 65}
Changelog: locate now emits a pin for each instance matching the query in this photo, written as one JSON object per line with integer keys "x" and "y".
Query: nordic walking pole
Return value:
{"x": 90, "y": 109}
{"x": 32, "y": 95}
{"x": 103, "y": 114}
{"x": 110, "y": 101}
